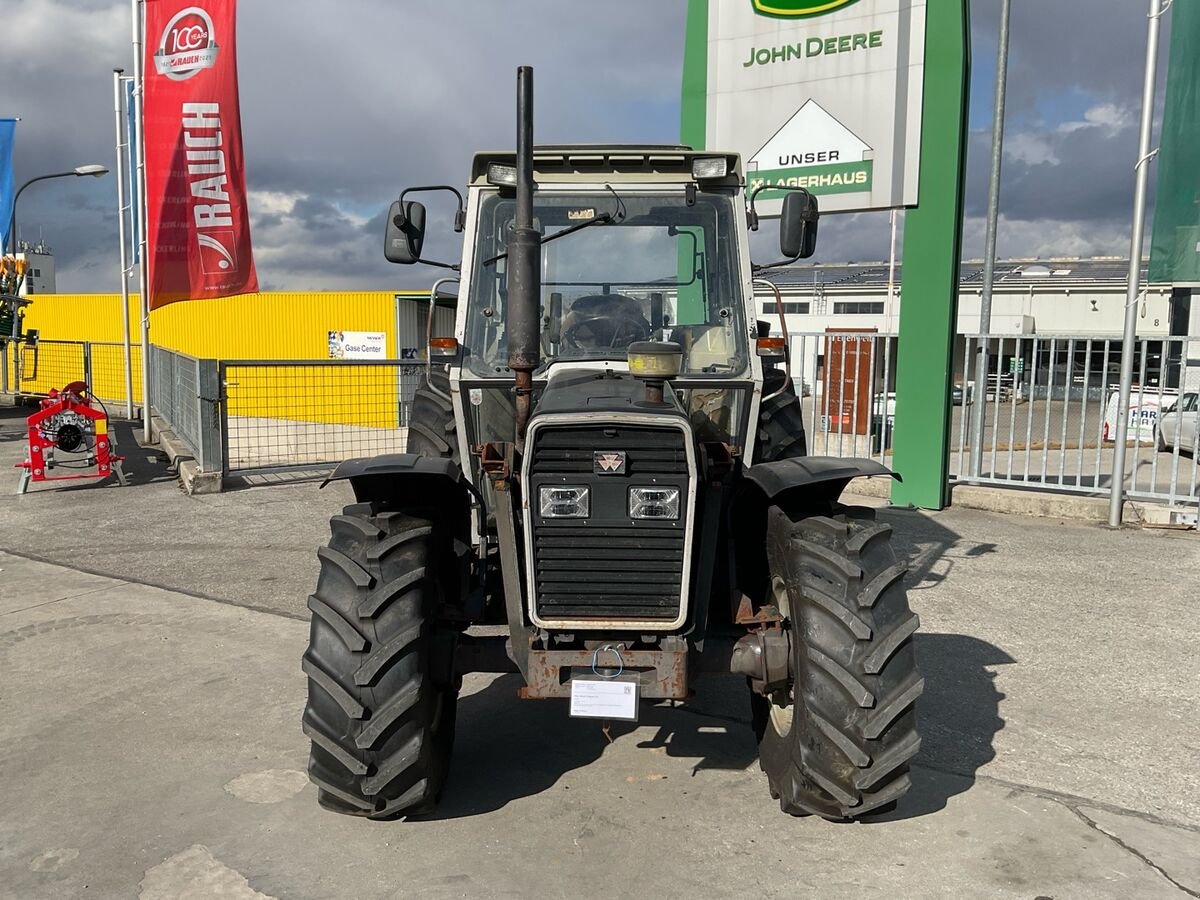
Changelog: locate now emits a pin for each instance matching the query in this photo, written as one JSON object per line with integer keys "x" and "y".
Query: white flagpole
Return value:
{"x": 143, "y": 277}
{"x": 1129, "y": 340}
{"x": 891, "y": 293}
{"x": 121, "y": 160}
{"x": 978, "y": 419}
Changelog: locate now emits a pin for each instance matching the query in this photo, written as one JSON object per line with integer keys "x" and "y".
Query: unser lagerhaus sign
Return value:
{"x": 820, "y": 94}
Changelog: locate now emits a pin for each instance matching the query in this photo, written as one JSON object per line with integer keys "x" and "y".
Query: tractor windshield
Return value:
{"x": 630, "y": 267}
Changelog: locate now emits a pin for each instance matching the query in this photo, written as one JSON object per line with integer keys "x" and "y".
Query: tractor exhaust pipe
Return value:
{"x": 524, "y": 265}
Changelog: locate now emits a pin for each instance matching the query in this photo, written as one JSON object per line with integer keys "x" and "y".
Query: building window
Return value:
{"x": 791, "y": 309}
{"x": 859, "y": 308}
{"x": 37, "y": 273}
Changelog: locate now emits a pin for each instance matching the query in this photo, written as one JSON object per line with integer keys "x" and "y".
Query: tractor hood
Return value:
{"x": 591, "y": 392}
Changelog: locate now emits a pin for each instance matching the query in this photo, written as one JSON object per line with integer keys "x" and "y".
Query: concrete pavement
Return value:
{"x": 152, "y": 749}
{"x": 150, "y": 744}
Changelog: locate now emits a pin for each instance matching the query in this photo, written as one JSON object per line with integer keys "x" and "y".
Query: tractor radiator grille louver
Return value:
{"x": 610, "y": 567}
{"x": 649, "y": 451}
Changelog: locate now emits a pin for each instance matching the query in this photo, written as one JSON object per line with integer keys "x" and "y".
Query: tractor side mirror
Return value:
{"x": 798, "y": 225}
{"x": 404, "y": 232}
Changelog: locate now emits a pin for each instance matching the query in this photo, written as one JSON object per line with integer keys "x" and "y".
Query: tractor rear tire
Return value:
{"x": 432, "y": 430}
{"x": 381, "y": 686}
{"x": 838, "y": 741}
{"x": 780, "y": 423}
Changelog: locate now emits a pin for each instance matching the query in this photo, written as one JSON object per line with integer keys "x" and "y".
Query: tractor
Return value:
{"x": 608, "y": 460}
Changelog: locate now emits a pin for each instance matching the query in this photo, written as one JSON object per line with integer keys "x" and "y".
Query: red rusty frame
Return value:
{"x": 663, "y": 674}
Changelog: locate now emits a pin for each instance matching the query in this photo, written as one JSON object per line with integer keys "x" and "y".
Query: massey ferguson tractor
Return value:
{"x": 608, "y": 459}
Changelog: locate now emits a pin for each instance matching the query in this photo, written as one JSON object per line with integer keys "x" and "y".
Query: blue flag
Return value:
{"x": 131, "y": 188}
{"x": 7, "y": 128}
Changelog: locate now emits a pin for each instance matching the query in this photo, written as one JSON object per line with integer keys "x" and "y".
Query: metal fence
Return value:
{"x": 35, "y": 369}
{"x": 1050, "y": 414}
{"x": 846, "y": 382}
{"x": 288, "y": 415}
{"x": 185, "y": 393}
{"x": 1049, "y": 408}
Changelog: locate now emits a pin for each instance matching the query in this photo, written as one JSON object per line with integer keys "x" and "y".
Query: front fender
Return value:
{"x": 410, "y": 477}
{"x": 821, "y": 478}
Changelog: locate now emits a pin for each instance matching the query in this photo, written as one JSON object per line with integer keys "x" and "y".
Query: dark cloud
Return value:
{"x": 345, "y": 103}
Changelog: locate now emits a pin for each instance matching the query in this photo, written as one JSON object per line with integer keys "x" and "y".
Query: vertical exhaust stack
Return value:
{"x": 524, "y": 264}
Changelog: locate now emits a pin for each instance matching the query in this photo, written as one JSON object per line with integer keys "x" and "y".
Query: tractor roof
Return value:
{"x": 586, "y": 162}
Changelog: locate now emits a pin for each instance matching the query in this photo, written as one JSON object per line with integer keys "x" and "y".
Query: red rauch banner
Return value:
{"x": 198, "y": 227}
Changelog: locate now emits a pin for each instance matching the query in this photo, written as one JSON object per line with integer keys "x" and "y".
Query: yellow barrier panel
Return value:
{"x": 271, "y": 325}
{"x": 266, "y": 326}
{"x": 55, "y": 365}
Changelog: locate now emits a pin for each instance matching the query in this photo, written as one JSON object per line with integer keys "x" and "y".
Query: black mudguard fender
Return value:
{"x": 807, "y": 485}
{"x": 815, "y": 478}
{"x": 407, "y": 477}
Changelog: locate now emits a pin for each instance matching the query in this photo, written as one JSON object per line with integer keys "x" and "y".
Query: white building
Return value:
{"x": 1069, "y": 305}
{"x": 39, "y": 276}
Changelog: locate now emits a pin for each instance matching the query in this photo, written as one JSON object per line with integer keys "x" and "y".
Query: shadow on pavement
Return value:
{"x": 932, "y": 550}
{"x": 12, "y": 422}
{"x": 958, "y": 718}
{"x": 507, "y": 748}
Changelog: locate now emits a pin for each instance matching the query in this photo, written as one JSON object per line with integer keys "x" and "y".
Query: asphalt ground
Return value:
{"x": 150, "y": 744}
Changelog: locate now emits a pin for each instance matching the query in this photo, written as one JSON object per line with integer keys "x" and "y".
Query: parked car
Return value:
{"x": 885, "y": 404}
{"x": 1177, "y": 423}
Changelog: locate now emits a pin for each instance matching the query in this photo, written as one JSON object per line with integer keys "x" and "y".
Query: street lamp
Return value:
{"x": 79, "y": 171}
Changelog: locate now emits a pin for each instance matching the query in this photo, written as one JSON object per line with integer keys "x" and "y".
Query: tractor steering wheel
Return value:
{"x": 619, "y": 325}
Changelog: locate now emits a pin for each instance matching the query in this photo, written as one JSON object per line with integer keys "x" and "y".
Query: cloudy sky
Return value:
{"x": 344, "y": 102}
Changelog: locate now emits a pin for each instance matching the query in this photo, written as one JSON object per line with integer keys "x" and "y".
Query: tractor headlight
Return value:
{"x": 653, "y": 503}
{"x": 564, "y": 502}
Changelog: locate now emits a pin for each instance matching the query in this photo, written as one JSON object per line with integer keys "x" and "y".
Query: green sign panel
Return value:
{"x": 1175, "y": 246}
{"x": 797, "y": 9}
{"x": 821, "y": 94}
{"x": 839, "y": 178}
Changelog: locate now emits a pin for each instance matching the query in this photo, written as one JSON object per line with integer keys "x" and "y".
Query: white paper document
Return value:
{"x": 597, "y": 698}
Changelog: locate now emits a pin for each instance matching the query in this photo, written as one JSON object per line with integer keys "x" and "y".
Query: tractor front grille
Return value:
{"x": 608, "y": 573}
{"x": 609, "y": 566}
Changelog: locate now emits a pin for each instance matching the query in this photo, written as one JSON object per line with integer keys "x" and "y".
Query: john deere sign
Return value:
{"x": 793, "y": 9}
{"x": 821, "y": 94}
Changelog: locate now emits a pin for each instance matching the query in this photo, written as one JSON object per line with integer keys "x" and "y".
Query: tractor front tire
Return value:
{"x": 837, "y": 742}
{"x": 381, "y": 686}
{"x": 780, "y": 422}
{"x": 431, "y": 427}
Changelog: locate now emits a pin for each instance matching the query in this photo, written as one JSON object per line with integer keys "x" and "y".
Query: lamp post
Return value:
{"x": 78, "y": 172}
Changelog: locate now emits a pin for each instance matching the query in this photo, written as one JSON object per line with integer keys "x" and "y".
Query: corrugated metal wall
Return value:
{"x": 284, "y": 325}
{"x": 265, "y": 326}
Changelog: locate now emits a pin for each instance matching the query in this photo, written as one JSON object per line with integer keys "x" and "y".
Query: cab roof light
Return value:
{"x": 705, "y": 167}
{"x": 502, "y": 175}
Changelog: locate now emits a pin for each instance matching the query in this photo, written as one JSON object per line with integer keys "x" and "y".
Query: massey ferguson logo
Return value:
{"x": 608, "y": 462}
{"x": 208, "y": 184}
{"x": 187, "y": 45}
